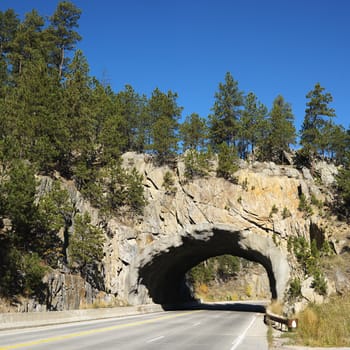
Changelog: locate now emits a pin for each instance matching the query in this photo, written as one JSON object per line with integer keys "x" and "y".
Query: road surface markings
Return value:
{"x": 93, "y": 331}
{"x": 241, "y": 337}
{"x": 155, "y": 339}
{"x": 196, "y": 324}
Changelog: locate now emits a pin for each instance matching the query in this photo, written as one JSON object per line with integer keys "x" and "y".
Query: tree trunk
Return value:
{"x": 61, "y": 63}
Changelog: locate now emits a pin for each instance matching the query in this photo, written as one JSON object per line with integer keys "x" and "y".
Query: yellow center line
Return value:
{"x": 92, "y": 331}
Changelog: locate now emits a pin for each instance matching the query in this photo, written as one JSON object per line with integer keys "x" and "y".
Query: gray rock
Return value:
{"x": 327, "y": 172}
{"x": 146, "y": 258}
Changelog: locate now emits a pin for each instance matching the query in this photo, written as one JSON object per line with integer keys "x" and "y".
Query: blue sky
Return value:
{"x": 270, "y": 47}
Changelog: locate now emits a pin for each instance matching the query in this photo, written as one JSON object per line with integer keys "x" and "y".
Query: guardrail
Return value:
{"x": 284, "y": 323}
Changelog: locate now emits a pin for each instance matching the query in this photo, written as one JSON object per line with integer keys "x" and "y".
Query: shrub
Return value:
{"x": 249, "y": 290}
{"x": 274, "y": 210}
{"x": 316, "y": 202}
{"x": 197, "y": 164}
{"x": 227, "y": 165}
{"x": 168, "y": 183}
{"x": 319, "y": 283}
{"x": 244, "y": 184}
{"x": 295, "y": 288}
{"x": 286, "y": 213}
{"x": 85, "y": 244}
{"x": 309, "y": 258}
{"x": 33, "y": 272}
{"x": 304, "y": 206}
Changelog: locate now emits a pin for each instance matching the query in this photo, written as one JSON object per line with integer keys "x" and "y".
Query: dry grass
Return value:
{"x": 101, "y": 304}
{"x": 276, "y": 308}
{"x": 325, "y": 325}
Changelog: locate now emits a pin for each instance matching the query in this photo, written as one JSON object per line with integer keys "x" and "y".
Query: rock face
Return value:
{"x": 203, "y": 218}
{"x": 146, "y": 261}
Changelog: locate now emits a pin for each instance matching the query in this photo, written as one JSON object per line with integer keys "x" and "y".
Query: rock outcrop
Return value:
{"x": 146, "y": 259}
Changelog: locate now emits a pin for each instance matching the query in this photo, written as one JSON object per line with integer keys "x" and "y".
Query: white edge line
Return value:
{"x": 241, "y": 337}
{"x": 155, "y": 339}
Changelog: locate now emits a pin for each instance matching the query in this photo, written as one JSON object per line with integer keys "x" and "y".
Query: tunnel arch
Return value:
{"x": 162, "y": 266}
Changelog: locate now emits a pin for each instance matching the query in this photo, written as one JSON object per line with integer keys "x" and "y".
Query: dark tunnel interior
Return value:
{"x": 164, "y": 276}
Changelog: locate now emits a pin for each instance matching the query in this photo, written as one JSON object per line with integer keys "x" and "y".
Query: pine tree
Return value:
{"x": 131, "y": 107}
{"x": 227, "y": 164}
{"x": 164, "y": 113}
{"x": 193, "y": 132}
{"x": 85, "y": 244}
{"x": 62, "y": 33}
{"x": 252, "y": 125}
{"x": 8, "y": 28}
{"x": 27, "y": 43}
{"x": 282, "y": 131}
{"x": 314, "y": 125}
{"x": 78, "y": 115}
{"x": 343, "y": 186}
{"x": 226, "y": 113}
{"x": 18, "y": 194}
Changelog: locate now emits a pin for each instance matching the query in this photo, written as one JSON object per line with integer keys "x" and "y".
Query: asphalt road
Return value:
{"x": 214, "y": 328}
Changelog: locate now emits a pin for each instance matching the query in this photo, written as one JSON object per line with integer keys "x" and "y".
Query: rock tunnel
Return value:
{"x": 162, "y": 267}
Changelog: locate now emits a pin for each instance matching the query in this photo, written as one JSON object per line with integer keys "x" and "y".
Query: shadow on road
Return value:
{"x": 229, "y": 306}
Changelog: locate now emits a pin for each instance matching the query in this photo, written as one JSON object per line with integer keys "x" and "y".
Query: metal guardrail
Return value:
{"x": 284, "y": 323}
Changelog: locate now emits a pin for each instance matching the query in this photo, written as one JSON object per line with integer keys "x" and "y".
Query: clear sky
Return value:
{"x": 270, "y": 47}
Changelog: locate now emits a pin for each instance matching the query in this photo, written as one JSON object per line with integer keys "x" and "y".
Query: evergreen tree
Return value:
{"x": 227, "y": 162}
{"x": 18, "y": 194}
{"x": 197, "y": 163}
{"x": 343, "y": 184}
{"x": 131, "y": 108}
{"x": 85, "y": 244}
{"x": 252, "y": 125}
{"x": 164, "y": 113}
{"x": 62, "y": 33}
{"x": 55, "y": 211}
{"x": 226, "y": 113}
{"x": 78, "y": 114}
{"x": 282, "y": 131}
{"x": 193, "y": 132}
{"x": 8, "y": 28}
{"x": 314, "y": 125}
{"x": 27, "y": 43}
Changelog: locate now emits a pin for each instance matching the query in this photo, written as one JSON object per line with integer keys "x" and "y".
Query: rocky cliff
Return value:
{"x": 146, "y": 259}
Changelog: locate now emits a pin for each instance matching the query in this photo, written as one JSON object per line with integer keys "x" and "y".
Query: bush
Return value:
{"x": 295, "y": 288}
{"x": 274, "y": 210}
{"x": 309, "y": 258}
{"x": 304, "y": 206}
{"x": 85, "y": 244}
{"x": 316, "y": 202}
{"x": 319, "y": 283}
{"x": 168, "y": 183}
{"x": 227, "y": 165}
{"x": 197, "y": 164}
{"x": 34, "y": 271}
{"x": 286, "y": 213}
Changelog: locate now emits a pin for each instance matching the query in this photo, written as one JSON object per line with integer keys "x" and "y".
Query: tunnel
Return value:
{"x": 163, "y": 272}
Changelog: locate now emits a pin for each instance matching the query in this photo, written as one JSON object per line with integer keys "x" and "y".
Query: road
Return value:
{"x": 213, "y": 328}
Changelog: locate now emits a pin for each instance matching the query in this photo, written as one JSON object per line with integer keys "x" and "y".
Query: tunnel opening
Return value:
{"x": 228, "y": 278}
{"x": 164, "y": 275}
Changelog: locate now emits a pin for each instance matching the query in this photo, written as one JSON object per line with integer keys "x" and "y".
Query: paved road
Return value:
{"x": 191, "y": 329}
